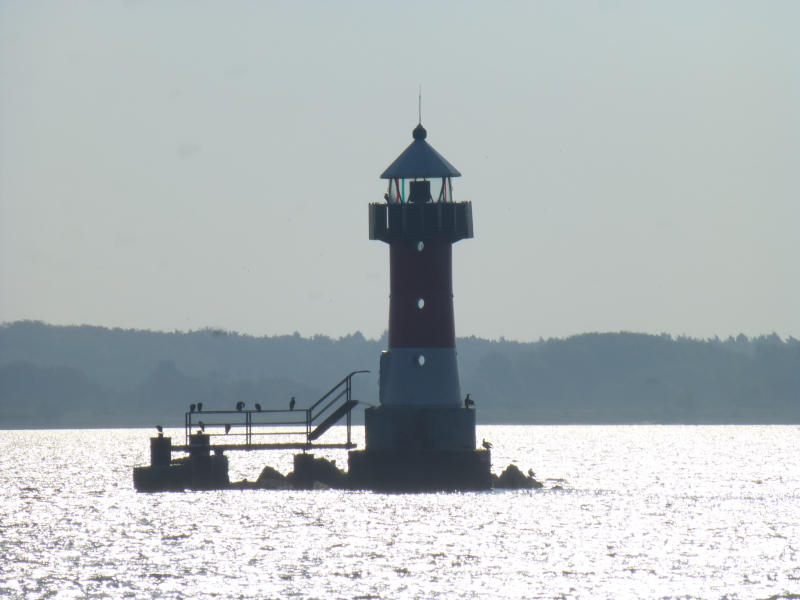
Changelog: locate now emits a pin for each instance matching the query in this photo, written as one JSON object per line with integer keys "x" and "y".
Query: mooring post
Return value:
{"x": 160, "y": 451}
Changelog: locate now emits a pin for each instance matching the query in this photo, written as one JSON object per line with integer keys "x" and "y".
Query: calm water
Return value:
{"x": 645, "y": 512}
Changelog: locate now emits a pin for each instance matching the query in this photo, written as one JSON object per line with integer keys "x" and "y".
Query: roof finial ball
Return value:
{"x": 419, "y": 132}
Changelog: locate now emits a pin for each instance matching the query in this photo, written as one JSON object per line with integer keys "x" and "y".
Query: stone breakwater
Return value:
{"x": 206, "y": 468}
{"x": 324, "y": 474}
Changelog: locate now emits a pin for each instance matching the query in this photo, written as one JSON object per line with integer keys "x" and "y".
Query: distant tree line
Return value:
{"x": 83, "y": 376}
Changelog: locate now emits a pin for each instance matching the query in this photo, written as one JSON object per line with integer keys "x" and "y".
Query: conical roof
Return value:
{"x": 420, "y": 160}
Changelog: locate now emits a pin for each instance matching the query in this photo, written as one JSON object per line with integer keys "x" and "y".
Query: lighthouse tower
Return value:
{"x": 422, "y": 435}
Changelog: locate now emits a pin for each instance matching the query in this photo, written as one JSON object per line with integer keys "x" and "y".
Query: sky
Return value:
{"x": 171, "y": 165}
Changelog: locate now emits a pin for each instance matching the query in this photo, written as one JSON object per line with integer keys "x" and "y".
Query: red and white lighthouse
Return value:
{"x": 422, "y": 435}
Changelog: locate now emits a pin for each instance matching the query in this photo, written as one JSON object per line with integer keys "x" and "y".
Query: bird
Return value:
{"x": 192, "y": 407}
{"x": 159, "y": 429}
{"x": 199, "y": 407}
{"x": 202, "y": 425}
{"x": 486, "y": 444}
{"x": 291, "y": 403}
{"x": 468, "y": 402}
{"x": 258, "y": 407}
{"x": 240, "y": 406}
{"x": 531, "y": 474}
{"x": 227, "y": 428}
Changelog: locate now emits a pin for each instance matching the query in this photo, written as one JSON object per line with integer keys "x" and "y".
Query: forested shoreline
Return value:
{"x": 87, "y": 376}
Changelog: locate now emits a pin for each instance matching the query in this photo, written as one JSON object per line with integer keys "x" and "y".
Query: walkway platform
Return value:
{"x": 273, "y": 446}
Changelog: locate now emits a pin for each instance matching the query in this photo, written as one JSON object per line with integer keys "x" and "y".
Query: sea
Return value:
{"x": 640, "y": 511}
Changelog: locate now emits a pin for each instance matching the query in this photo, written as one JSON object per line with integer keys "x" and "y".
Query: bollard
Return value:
{"x": 199, "y": 446}
{"x": 160, "y": 451}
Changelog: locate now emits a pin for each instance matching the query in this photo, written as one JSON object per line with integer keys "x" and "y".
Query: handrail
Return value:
{"x": 333, "y": 389}
{"x": 329, "y": 404}
{"x": 312, "y": 414}
{"x": 347, "y": 392}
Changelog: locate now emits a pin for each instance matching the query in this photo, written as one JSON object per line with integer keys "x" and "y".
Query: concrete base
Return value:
{"x": 411, "y": 428}
{"x": 169, "y": 478}
{"x": 410, "y": 471}
{"x": 410, "y": 448}
{"x": 199, "y": 471}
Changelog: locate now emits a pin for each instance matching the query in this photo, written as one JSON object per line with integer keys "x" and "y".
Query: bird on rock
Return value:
{"x": 486, "y": 444}
{"x": 468, "y": 402}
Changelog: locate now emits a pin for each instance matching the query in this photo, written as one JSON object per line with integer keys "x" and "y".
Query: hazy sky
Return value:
{"x": 178, "y": 165}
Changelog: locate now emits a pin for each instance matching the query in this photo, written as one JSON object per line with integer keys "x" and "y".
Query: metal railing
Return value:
{"x": 343, "y": 388}
{"x": 243, "y": 427}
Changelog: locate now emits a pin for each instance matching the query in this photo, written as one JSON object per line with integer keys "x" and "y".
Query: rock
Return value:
{"x": 274, "y": 484}
{"x": 326, "y": 472}
{"x": 270, "y": 474}
{"x": 317, "y": 472}
{"x": 244, "y": 485}
{"x": 512, "y": 478}
{"x": 270, "y": 479}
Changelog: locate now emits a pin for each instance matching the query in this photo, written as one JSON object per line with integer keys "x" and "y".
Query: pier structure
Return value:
{"x": 211, "y": 433}
{"x": 422, "y": 434}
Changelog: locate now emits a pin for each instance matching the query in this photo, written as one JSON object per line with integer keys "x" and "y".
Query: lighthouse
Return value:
{"x": 422, "y": 434}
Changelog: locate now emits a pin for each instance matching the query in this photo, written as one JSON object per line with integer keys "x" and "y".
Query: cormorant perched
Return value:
{"x": 468, "y": 402}
{"x": 258, "y": 407}
{"x": 159, "y": 429}
{"x": 486, "y": 444}
{"x": 531, "y": 474}
{"x": 240, "y": 406}
{"x": 227, "y": 428}
{"x": 202, "y": 426}
{"x": 291, "y": 403}
{"x": 192, "y": 407}
{"x": 199, "y": 407}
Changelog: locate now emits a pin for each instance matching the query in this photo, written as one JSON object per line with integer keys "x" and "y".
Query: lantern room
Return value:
{"x": 420, "y": 174}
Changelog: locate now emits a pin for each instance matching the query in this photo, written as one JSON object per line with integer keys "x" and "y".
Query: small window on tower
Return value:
{"x": 420, "y": 303}
{"x": 420, "y": 360}
{"x": 420, "y": 246}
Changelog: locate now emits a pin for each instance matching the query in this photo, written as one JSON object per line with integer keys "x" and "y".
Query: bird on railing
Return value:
{"x": 468, "y": 402}
{"x": 202, "y": 426}
{"x": 199, "y": 407}
{"x": 258, "y": 407}
{"x": 240, "y": 406}
{"x": 486, "y": 444}
{"x": 192, "y": 407}
{"x": 227, "y": 428}
{"x": 291, "y": 403}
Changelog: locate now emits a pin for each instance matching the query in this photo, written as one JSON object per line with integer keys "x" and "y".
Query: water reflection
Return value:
{"x": 645, "y": 512}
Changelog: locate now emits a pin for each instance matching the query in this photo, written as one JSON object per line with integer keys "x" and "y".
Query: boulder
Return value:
{"x": 317, "y": 473}
{"x": 514, "y": 479}
{"x": 270, "y": 474}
